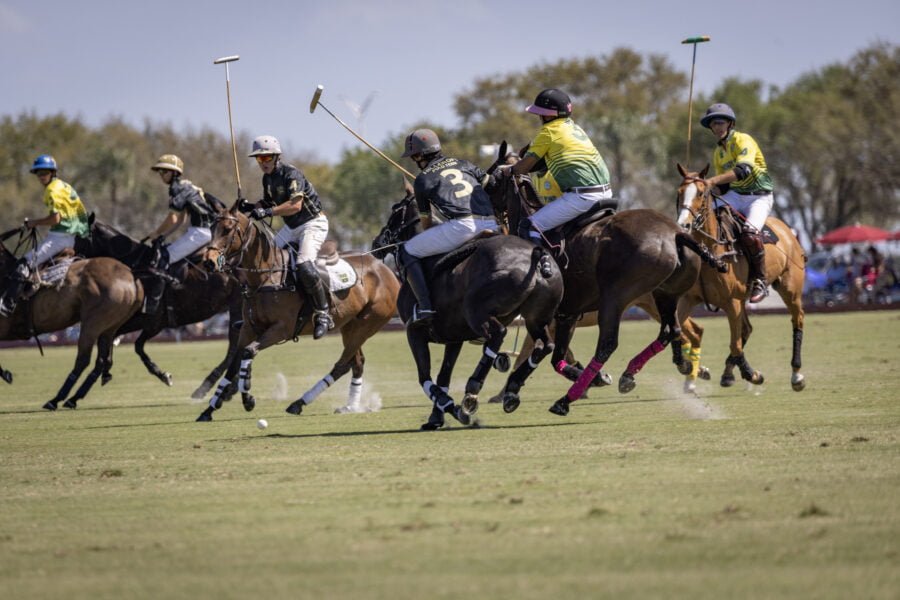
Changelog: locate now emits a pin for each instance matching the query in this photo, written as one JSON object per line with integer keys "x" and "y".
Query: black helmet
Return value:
{"x": 719, "y": 110}
{"x": 422, "y": 141}
{"x": 551, "y": 103}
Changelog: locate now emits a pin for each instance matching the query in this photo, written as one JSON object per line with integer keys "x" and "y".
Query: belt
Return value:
{"x": 483, "y": 217}
{"x": 590, "y": 189}
{"x": 757, "y": 193}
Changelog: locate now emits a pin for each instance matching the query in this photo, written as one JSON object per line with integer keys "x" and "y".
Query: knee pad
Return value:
{"x": 307, "y": 273}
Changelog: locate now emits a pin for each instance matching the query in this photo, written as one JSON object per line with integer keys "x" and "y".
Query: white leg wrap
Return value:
{"x": 355, "y": 393}
{"x": 427, "y": 387}
{"x": 490, "y": 353}
{"x": 244, "y": 380}
{"x": 321, "y": 385}
{"x": 223, "y": 383}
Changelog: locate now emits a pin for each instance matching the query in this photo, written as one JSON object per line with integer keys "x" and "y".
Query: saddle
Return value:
{"x": 730, "y": 227}
{"x": 556, "y": 237}
{"x": 446, "y": 262}
{"x": 336, "y": 273}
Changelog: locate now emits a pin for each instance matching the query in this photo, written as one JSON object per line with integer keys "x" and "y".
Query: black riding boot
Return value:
{"x": 415, "y": 276}
{"x": 315, "y": 291}
{"x": 756, "y": 256}
{"x": 544, "y": 263}
{"x": 10, "y": 298}
{"x": 154, "y": 289}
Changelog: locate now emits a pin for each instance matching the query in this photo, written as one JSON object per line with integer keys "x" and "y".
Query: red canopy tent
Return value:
{"x": 896, "y": 235}
{"x": 857, "y": 233}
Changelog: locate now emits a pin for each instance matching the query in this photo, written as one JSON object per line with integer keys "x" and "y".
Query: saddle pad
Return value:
{"x": 339, "y": 276}
{"x": 54, "y": 273}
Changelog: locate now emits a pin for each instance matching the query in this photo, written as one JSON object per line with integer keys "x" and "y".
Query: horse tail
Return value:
{"x": 683, "y": 240}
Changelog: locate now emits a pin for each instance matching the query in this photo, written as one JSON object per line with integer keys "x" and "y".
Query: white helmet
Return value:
{"x": 265, "y": 144}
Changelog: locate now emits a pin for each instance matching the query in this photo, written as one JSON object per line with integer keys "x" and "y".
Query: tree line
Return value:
{"x": 829, "y": 139}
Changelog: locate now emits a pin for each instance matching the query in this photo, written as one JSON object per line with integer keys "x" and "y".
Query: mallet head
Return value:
{"x": 315, "y": 99}
{"x": 226, "y": 59}
{"x": 696, "y": 40}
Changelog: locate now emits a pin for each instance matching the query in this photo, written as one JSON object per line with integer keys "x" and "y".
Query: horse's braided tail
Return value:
{"x": 682, "y": 239}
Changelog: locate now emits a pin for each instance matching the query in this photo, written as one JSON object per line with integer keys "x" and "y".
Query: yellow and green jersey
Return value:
{"x": 571, "y": 156}
{"x": 740, "y": 148}
{"x": 60, "y": 197}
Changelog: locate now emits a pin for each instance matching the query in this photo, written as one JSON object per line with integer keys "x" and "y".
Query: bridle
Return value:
{"x": 224, "y": 251}
{"x": 701, "y": 215}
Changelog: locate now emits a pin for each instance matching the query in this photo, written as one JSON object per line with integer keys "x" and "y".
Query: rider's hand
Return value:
{"x": 26, "y": 224}
{"x": 260, "y": 213}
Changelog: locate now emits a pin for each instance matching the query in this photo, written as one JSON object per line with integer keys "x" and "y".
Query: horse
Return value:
{"x": 198, "y": 296}
{"x": 611, "y": 260}
{"x": 785, "y": 270}
{"x": 477, "y": 291}
{"x": 275, "y": 311}
{"x": 101, "y": 293}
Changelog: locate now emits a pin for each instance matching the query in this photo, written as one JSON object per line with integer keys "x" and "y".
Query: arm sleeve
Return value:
{"x": 540, "y": 145}
{"x": 422, "y": 197}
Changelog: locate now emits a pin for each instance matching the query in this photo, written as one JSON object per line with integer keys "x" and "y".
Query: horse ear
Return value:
{"x": 681, "y": 170}
{"x": 704, "y": 171}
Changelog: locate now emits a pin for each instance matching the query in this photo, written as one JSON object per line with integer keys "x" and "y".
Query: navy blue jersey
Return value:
{"x": 185, "y": 196}
{"x": 453, "y": 187}
{"x": 286, "y": 182}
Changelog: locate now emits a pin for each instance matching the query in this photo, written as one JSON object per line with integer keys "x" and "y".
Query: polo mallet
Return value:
{"x": 692, "y": 40}
{"x": 312, "y": 108}
{"x": 237, "y": 173}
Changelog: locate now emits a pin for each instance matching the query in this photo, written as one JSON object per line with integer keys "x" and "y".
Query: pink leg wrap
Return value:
{"x": 577, "y": 390}
{"x": 637, "y": 363}
{"x": 560, "y": 366}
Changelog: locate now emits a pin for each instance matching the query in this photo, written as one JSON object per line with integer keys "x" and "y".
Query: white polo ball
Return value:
{"x": 262, "y": 423}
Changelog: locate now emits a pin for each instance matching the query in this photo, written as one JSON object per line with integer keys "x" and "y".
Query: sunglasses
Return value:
{"x": 719, "y": 122}
{"x": 264, "y": 158}
{"x": 42, "y": 172}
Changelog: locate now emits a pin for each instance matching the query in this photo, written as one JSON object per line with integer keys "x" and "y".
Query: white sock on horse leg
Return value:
{"x": 321, "y": 385}
{"x": 355, "y": 393}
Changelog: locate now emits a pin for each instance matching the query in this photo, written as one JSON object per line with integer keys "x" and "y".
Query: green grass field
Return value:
{"x": 762, "y": 493}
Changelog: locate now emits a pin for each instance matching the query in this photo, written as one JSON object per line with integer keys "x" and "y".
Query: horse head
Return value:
{"x": 693, "y": 197}
{"x": 402, "y": 224}
{"x": 106, "y": 240}
{"x": 231, "y": 232}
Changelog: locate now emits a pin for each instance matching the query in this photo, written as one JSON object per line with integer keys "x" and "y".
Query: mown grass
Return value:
{"x": 760, "y": 493}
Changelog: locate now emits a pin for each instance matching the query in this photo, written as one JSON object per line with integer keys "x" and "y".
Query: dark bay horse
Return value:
{"x": 611, "y": 262}
{"x": 275, "y": 311}
{"x": 785, "y": 270}
{"x": 199, "y": 296}
{"x": 477, "y": 291}
{"x": 100, "y": 293}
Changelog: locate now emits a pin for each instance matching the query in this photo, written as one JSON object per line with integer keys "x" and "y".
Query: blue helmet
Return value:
{"x": 44, "y": 162}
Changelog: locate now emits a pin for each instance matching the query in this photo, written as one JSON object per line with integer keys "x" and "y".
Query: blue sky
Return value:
{"x": 153, "y": 60}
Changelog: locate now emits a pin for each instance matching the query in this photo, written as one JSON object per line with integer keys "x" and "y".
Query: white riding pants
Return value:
{"x": 565, "y": 208}
{"x": 53, "y": 244}
{"x": 448, "y": 236}
{"x": 756, "y": 209}
{"x": 192, "y": 240}
{"x": 310, "y": 236}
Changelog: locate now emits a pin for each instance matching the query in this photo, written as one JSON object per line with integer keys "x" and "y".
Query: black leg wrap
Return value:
{"x": 798, "y": 343}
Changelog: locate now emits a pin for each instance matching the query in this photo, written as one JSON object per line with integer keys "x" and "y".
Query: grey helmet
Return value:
{"x": 265, "y": 144}
{"x": 719, "y": 110}
{"x": 422, "y": 141}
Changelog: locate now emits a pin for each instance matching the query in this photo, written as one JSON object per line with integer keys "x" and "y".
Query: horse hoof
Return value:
{"x": 704, "y": 374}
{"x": 469, "y": 404}
{"x": 684, "y": 367}
{"x": 205, "y": 416}
{"x": 501, "y": 362}
{"x": 496, "y": 399}
{"x": 167, "y": 379}
{"x": 603, "y": 378}
{"x": 726, "y": 381}
{"x": 296, "y": 407}
{"x": 626, "y": 383}
{"x": 50, "y": 405}
{"x": 511, "y": 402}
{"x": 71, "y": 404}
{"x": 6, "y": 375}
{"x": 758, "y": 378}
{"x": 689, "y": 386}
{"x": 249, "y": 403}
{"x": 460, "y": 415}
{"x": 429, "y": 426}
{"x": 435, "y": 420}
{"x": 798, "y": 382}
{"x": 201, "y": 391}
{"x": 560, "y": 407}
{"x": 105, "y": 378}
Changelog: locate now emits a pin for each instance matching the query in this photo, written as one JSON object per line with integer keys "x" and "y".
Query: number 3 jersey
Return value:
{"x": 454, "y": 187}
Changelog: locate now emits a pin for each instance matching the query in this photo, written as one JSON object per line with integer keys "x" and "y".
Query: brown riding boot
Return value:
{"x": 756, "y": 256}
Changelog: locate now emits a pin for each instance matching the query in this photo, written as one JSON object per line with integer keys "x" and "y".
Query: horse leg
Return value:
{"x": 692, "y": 332}
{"x": 227, "y": 384}
{"x": 794, "y": 302}
{"x": 354, "y": 395}
{"x": 542, "y": 347}
{"x": 102, "y": 365}
{"x": 441, "y": 400}
{"x": 669, "y": 332}
{"x": 216, "y": 373}
{"x": 608, "y": 322}
{"x": 166, "y": 378}
{"x": 85, "y": 348}
{"x": 739, "y": 325}
{"x": 563, "y": 358}
{"x": 5, "y": 375}
{"x": 493, "y": 332}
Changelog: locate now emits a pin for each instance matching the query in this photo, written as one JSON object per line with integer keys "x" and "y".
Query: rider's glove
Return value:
{"x": 261, "y": 213}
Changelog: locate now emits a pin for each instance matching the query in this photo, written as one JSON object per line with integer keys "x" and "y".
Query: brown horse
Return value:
{"x": 275, "y": 311}
{"x": 785, "y": 270}
{"x": 101, "y": 293}
{"x": 610, "y": 262}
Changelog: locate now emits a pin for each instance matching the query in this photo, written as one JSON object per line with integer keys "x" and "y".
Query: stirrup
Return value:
{"x": 421, "y": 315}
{"x": 758, "y": 291}
{"x": 323, "y": 324}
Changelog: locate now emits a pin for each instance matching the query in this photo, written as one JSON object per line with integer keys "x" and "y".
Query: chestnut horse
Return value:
{"x": 611, "y": 261}
{"x": 478, "y": 290}
{"x": 101, "y": 293}
{"x": 275, "y": 310}
{"x": 785, "y": 271}
{"x": 199, "y": 296}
